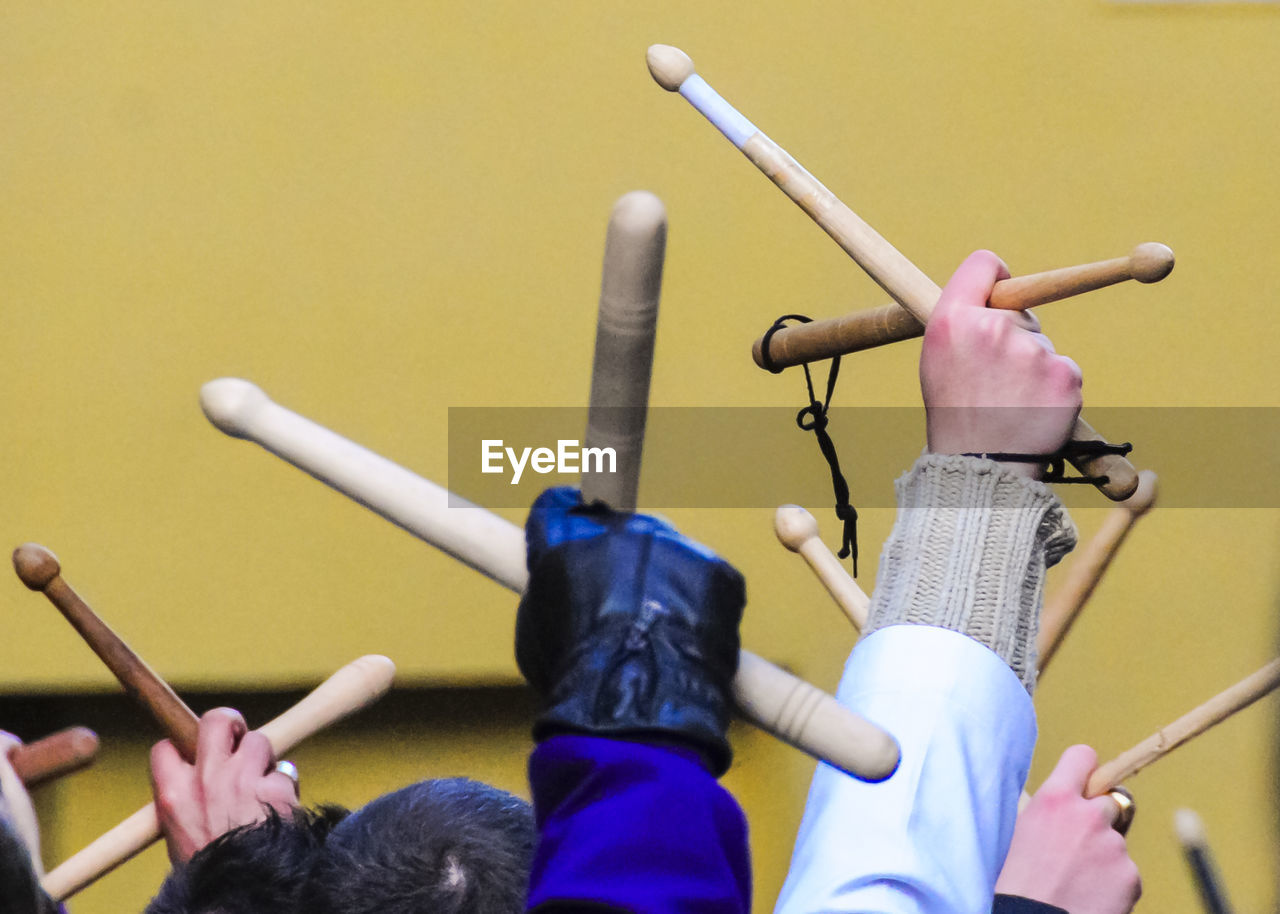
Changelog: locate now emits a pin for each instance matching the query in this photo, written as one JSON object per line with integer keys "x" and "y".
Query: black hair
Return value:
{"x": 447, "y": 846}
{"x": 255, "y": 868}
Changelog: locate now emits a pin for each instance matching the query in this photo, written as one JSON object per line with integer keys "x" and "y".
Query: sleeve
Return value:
{"x": 932, "y": 837}
{"x": 628, "y": 826}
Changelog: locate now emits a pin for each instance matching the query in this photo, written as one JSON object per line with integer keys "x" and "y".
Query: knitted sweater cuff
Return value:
{"x": 968, "y": 552}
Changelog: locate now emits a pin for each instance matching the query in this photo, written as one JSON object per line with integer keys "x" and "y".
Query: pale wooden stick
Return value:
{"x": 798, "y": 531}
{"x": 906, "y": 284}
{"x": 628, "y": 318}
{"x": 39, "y": 570}
{"x": 1088, "y": 566}
{"x": 495, "y": 547}
{"x": 56, "y": 755}
{"x": 825, "y": 339}
{"x": 1192, "y": 724}
{"x": 355, "y": 686}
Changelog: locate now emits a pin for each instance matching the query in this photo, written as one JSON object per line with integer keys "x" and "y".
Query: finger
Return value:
{"x": 254, "y": 758}
{"x": 971, "y": 284}
{"x": 280, "y": 788}
{"x": 1072, "y": 771}
{"x": 171, "y": 774}
{"x": 220, "y": 733}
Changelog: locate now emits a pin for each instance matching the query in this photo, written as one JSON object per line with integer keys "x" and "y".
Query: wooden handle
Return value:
{"x": 54, "y": 756}
{"x": 39, "y": 570}
{"x": 797, "y": 529}
{"x": 478, "y": 538}
{"x": 1192, "y": 724}
{"x": 817, "y": 340}
{"x": 1087, "y": 568}
{"x": 355, "y": 686}
{"x": 634, "y": 247}
{"x": 904, "y": 281}
{"x": 811, "y": 720}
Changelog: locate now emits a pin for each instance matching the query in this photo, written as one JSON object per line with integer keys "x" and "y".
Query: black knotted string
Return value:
{"x": 813, "y": 418}
{"x": 1057, "y": 461}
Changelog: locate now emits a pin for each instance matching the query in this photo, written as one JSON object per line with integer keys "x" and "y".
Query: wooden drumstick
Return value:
{"x": 889, "y": 323}
{"x": 495, "y": 547}
{"x": 357, "y": 685}
{"x": 906, "y": 284}
{"x": 54, "y": 756}
{"x": 1192, "y": 724}
{"x": 628, "y": 318}
{"x": 1086, "y": 569}
{"x": 39, "y": 570}
{"x": 798, "y": 531}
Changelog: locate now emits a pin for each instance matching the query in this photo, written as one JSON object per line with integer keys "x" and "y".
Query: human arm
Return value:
{"x": 1065, "y": 851}
{"x": 947, "y": 662}
{"x": 628, "y": 633}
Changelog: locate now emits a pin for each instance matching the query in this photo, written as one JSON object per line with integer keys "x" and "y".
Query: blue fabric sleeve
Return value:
{"x": 628, "y": 826}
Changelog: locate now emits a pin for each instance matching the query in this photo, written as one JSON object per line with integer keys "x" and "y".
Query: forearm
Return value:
{"x": 633, "y": 827}
{"x": 946, "y": 666}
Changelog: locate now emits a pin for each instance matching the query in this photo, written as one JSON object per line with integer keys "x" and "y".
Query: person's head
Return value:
{"x": 449, "y": 846}
{"x": 257, "y": 868}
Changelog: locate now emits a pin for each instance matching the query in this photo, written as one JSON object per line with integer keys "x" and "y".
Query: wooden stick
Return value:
{"x": 634, "y": 248}
{"x": 495, "y": 547}
{"x": 1086, "y": 570}
{"x": 798, "y": 531}
{"x": 1195, "y": 846}
{"x": 355, "y": 686}
{"x": 54, "y": 756}
{"x": 39, "y": 570}
{"x": 906, "y": 284}
{"x": 1192, "y": 724}
{"x": 889, "y": 323}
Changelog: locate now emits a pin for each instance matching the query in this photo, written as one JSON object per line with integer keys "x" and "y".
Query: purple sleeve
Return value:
{"x": 633, "y": 827}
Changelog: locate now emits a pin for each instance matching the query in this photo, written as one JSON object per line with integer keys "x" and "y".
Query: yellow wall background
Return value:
{"x": 377, "y": 211}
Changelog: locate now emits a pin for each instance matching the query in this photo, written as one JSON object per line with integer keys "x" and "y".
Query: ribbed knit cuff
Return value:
{"x": 968, "y": 552}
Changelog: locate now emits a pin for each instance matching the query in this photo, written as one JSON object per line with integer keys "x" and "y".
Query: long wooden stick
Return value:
{"x": 797, "y": 529}
{"x": 355, "y": 686}
{"x": 1192, "y": 724}
{"x": 495, "y": 547}
{"x": 904, "y": 281}
{"x": 621, "y": 369}
{"x": 56, "y": 755}
{"x": 825, "y": 339}
{"x": 1088, "y": 566}
{"x": 39, "y": 570}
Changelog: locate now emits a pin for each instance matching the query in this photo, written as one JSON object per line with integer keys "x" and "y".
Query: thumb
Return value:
{"x": 970, "y": 285}
{"x": 1072, "y": 772}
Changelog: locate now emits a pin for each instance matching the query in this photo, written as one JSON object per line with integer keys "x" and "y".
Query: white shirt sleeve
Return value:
{"x": 933, "y": 836}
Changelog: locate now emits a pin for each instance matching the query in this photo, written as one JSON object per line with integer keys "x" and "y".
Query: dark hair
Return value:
{"x": 449, "y": 846}
{"x": 261, "y": 867}
{"x": 19, "y": 890}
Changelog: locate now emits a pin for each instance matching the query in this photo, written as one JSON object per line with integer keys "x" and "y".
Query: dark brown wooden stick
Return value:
{"x": 54, "y": 756}
{"x": 39, "y": 570}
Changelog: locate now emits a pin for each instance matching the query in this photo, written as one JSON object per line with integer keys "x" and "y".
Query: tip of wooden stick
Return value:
{"x": 1189, "y": 828}
{"x": 1151, "y": 262}
{"x": 668, "y": 66}
{"x": 83, "y": 742}
{"x": 638, "y": 212}
{"x": 794, "y": 526}
{"x": 1143, "y": 498}
{"x": 36, "y": 565}
{"x": 229, "y": 402}
{"x": 378, "y": 672}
